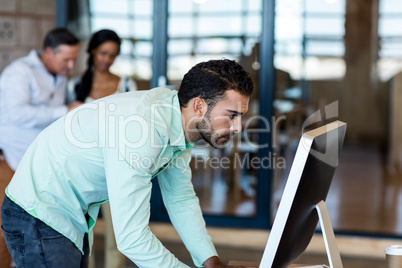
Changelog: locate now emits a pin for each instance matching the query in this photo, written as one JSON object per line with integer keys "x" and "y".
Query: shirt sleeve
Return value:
{"x": 128, "y": 175}
{"x": 183, "y": 207}
{"x": 16, "y": 92}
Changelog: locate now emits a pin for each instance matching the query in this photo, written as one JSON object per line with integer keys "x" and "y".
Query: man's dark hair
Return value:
{"x": 211, "y": 79}
{"x": 59, "y": 36}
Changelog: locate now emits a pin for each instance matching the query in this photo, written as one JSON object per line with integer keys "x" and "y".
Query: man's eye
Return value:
{"x": 232, "y": 116}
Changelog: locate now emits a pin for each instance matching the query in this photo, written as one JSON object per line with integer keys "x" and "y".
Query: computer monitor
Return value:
{"x": 302, "y": 202}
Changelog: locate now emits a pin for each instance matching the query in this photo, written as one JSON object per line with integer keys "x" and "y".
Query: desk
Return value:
{"x": 255, "y": 264}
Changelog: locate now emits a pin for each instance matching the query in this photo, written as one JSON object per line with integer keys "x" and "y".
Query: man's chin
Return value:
{"x": 221, "y": 143}
{"x": 64, "y": 73}
{"x": 216, "y": 142}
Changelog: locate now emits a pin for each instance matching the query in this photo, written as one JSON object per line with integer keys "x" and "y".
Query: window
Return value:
{"x": 309, "y": 38}
{"x": 212, "y": 29}
{"x": 390, "y": 38}
{"x": 132, "y": 21}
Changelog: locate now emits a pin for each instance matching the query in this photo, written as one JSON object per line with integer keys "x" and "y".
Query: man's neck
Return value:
{"x": 189, "y": 125}
{"x": 43, "y": 59}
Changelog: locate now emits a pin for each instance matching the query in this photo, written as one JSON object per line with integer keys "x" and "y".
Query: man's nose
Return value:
{"x": 236, "y": 127}
{"x": 70, "y": 64}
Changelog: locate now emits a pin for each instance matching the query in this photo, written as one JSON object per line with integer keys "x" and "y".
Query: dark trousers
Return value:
{"x": 34, "y": 244}
{"x": 6, "y": 173}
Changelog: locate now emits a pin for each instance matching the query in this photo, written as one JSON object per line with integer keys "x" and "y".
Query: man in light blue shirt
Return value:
{"x": 33, "y": 93}
{"x": 32, "y": 96}
{"x": 110, "y": 149}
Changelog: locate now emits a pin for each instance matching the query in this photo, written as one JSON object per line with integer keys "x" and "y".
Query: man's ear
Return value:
{"x": 48, "y": 51}
{"x": 199, "y": 106}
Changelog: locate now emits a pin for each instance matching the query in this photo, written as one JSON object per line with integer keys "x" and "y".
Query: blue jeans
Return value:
{"x": 34, "y": 244}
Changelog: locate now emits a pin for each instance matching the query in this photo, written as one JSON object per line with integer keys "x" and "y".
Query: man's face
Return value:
{"x": 61, "y": 60}
{"x": 224, "y": 120}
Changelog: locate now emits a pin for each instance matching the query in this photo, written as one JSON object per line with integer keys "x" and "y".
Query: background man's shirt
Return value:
{"x": 30, "y": 100}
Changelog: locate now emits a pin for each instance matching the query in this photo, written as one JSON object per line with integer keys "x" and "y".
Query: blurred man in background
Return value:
{"x": 32, "y": 96}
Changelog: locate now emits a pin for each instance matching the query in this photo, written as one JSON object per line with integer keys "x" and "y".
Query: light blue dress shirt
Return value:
{"x": 30, "y": 100}
{"x": 110, "y": 149}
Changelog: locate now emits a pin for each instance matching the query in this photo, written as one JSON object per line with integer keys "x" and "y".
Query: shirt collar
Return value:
{"x": 175, "y": 126}
{"x": 177, "y": 137}
{"x": 189, "y": 145}
{"x": 34, "y": 60}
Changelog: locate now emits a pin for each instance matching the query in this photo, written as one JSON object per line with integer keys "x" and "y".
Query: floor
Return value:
{"x": 366, "y": 195}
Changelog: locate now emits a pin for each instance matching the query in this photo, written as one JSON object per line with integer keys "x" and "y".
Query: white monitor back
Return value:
{"x": 308, "y": 183}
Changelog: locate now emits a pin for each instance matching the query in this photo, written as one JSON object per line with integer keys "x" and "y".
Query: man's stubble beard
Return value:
{"x": 204, "y": 125}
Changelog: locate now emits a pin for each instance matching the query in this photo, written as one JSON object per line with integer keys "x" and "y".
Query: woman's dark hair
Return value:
{"x": 59, "y": 36}
{"x": 210, "y": 80}
{"x": 83, "y": 88}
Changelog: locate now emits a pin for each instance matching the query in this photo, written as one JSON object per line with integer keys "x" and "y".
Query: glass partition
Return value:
{"x": 226, "y": 180}
{"x": 309, "y": 50}
{"x": 390, "y": 53}
{"x": 223, "y": 178}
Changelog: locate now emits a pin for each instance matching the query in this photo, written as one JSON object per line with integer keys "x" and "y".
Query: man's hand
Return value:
{"x": 215, "y": 262}
{"x": 73, "y": 105}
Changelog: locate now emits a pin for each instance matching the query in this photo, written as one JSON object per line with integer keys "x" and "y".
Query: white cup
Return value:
{"x": 394, "y": 256}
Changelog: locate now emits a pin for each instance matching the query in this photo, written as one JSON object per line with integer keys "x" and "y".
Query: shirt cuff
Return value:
{"x": 60, "y": 111}
{"x": 205, "y": 251}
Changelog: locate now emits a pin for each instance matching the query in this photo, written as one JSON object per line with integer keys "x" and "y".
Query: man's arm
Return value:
{"x": 17, "y": 95}
{"x": 184, "y": 210}
{"x": 128, "y": 176}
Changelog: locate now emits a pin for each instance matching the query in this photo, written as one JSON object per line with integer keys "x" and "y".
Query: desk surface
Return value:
{"x": 255, "y": 264}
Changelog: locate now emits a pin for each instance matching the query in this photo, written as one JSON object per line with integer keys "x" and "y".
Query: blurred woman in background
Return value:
{"x": 97, "y": 81}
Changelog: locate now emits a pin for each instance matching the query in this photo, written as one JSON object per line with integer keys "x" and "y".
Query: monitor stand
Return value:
{"x": 334, "y": 257}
